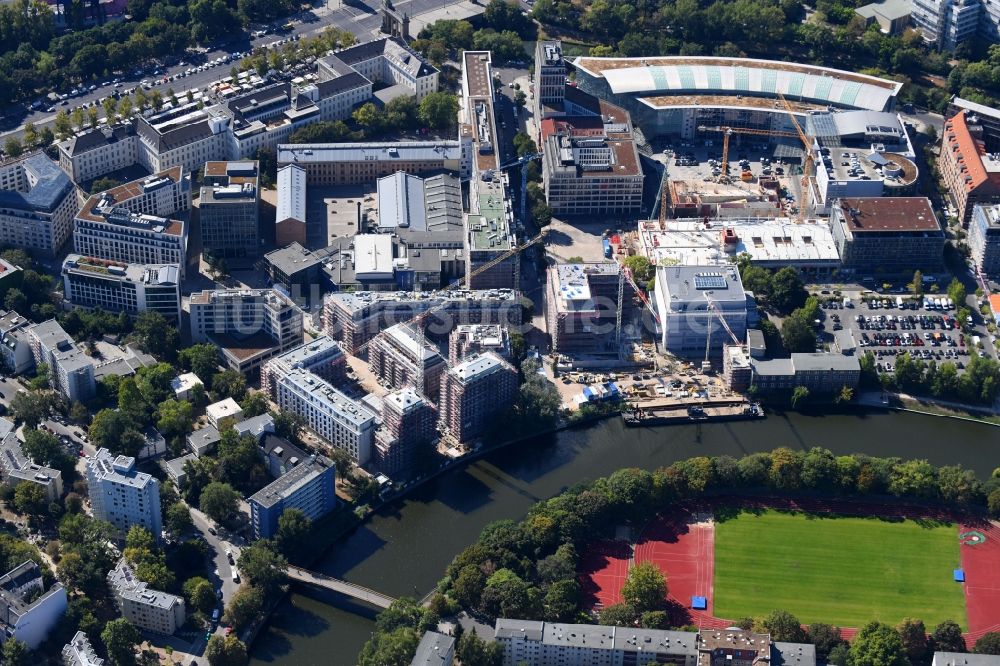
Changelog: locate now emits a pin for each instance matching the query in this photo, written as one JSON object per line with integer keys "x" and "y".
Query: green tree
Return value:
{"x": 641, "y": 269}
{"x": 219, "y": 502}
{"x": 110, "y": 106}
{"x": 262, "y": 566}
{"x": 30, "y": 135}
{"x": 175, "y": 418}
{"x": 798, "y": 334}
{"x": 115, "y": 431}
{"x": 645, "y": 587}
{"x": 226, "y": 651}
{"x": 120, "y": 638}
{"x": 947, "y": 637}
{"x": 294, "y": 532}
{"x": 245, "y": 607}
{"x": 200, "y": 594}
{"x": 43, "y": 448}
{"x": 63, "y": 125}
{"x": 394, "y": 648}
{"x": 178, "y": 518}
{"x": 787, "y": 290}
{"x": 825, "y": 637}
{"x": 13, "y": 147}
{"x": 913, "y": 634}
{"x": 16, "y": 653}
{"x": 229, "y": 384}
{"x": 30, "y": 499}
{"x": 988, "y": 643}
{"x": 254, "y": 404}
{"x": 438, "y": 110}
{"x": 799, "y": 394}
{"x": 31, "y": 408}
{"x": 916, "y": 286}
{"x": 783, "y": 626}
{"x": 957, "y": 293}
{"x": 366, "y": 115}
{"x": 877, "y": 644}
{"x": 473, "y": 651}
{"x": 155, "y": 335}
{"x": 201, "y": 359}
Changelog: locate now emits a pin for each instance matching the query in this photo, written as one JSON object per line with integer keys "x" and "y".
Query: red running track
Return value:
{"x": 981, "y": 563}
{"x": 603, "y": 569}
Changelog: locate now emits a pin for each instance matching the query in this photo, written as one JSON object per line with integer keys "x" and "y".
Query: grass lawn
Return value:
{"x": 844, "y": 571}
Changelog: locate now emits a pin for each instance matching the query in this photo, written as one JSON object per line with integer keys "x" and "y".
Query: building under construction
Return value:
{"x": 357, "y": 317}
{"x": 408, "y": 425}
{"x": 581, "y": 307}
{"x": 474, "y": 393}
{"x": 469, "y": 339}
{"x": 401, "y": 357}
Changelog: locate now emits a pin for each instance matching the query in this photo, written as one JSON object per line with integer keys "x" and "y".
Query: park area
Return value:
{"x": 841, "y": 570}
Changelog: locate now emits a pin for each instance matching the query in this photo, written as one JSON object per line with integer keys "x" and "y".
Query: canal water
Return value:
{"x": 404, "y": 549}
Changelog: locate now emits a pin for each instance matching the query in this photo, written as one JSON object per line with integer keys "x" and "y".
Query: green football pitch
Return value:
{"x": 841, "y": 570}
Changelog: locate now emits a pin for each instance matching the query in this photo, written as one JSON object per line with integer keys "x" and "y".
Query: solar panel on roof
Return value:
{"x": 710, "y": 281}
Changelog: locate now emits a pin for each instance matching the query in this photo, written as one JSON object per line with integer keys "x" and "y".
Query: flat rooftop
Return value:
{"x": 733, "y": 101}
{"x": 360, "y": 300}
{"x": 887, "y": 214}
{"x": 402, "y": 151}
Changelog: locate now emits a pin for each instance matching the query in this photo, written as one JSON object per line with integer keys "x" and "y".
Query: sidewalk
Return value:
{"x": 899, "y": 400}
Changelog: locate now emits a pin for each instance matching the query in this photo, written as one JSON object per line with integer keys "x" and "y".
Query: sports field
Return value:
{"x": 840, "y": 570}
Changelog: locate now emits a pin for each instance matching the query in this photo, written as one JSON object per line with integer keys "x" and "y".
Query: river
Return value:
{"x": 404, "y": 549}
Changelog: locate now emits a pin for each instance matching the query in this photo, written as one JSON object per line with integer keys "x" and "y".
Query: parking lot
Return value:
{"x": 889, "y": 326}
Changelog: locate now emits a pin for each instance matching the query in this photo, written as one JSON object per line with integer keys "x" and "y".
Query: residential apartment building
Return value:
{"x": 230, "y": 210}
{"x": 118, "y": 287}
{"x": 223, "y": 414}
{"x": 360, "y": 163}
{"x": 249, "y": 325}
{"x": 279, "y": 455}
{"x": 581, "y": 306}
{"x": 592, "y": 174}
{"x": 355, "y": 318}
{"x": 321, "y": 356}
{"x": 474, "y": 393}
{"x": 987, "y": 118}
{"x": 536, "y": 643}
{"x": 408, "y": 426}
{"x": 336, "y": 418}
{"x": 79, "y": 652}
{"x": 693, "y": 302}
{"x": 969, "y": 174}
{"x": 946, "y": 24}
{"x": 72, "y": 371}
{"x": 15, "y": 343}
{"x": 400, "y": 357}
{"x": 435, "y": 649}
{"x": 29, "y": 612}
{"x": 146, "y": 608}
{"x": 387, "y": 61}
{"x": 984, "y": 239}
{"x": 17, "y": 468}
{"x": 134, "y": 224}
{"x": 37, "y": 204}
{"x": 308, "y": 486}
{"x": 468, "y": 339}
{"x": 122, "y": 495}
{"x": 888, "y": 235}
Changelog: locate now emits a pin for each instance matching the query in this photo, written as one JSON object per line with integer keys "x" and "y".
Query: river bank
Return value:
{"x": 404, "y": 547}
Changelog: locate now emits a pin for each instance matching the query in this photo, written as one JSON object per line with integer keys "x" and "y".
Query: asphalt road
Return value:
{"x": 359, "y": 18}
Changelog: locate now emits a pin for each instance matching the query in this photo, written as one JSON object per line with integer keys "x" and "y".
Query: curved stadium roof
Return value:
{"x": 741, "y": 76}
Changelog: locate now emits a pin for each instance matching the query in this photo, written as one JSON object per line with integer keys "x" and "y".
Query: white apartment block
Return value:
{"x": 146, "y": 608}
{"x": 131, "y": 223}
{"x": 15, "y": 343}
{"x": 16, "y": 468}
{"x": 249, "y": 325}
{"x": 948, "y": 23}
{"x": 71, "y": 370}
{"x": 116, "y": 287}
{"x": 37, "y": 204}
{"x": 27, "y": 611}
{"x": 122, "y": 495}
{"x": 341, "y": 421}
{"x": 79, "y": 652}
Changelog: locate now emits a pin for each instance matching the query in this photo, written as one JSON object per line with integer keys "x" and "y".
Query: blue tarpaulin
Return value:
{"x": 959, "y": 576}
{"x": 699, "y": 603}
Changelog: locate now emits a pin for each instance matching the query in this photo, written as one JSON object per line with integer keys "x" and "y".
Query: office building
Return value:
{"x": 888, "y": 235}
{"x": 79, "y": 652}
{"x": 581, "y": 307}
{"x": 230, "y": 210}
{"x": 308, "y": 486}
{"x": 402, "y": 357}
{"x": 357, "y": 317}
{"x": 138, "y": 222}
{"x": 117, "y": 287}
{"x": 146, "y": 608}
{"x": 15, "y": 343}
{"x": 122, "y": 495}
{"x": 72, "y": 371}
{"x": 969, "y": 174}
{"x": 535, "y": 643}
{"x": 590, "y": 171}
{"x": 360, "y": 163}
{"x": 29, "y": 612}
{"x": 183, "y": 135}
{"x": 17, "y": 468}
{"x": 474, "y": 393}
{"x": 468, "y": 339}
{"x": 946, "y": 24}
{"x": 550, "y": 79}
{"x": 297, "y": 271}
{"x": 987, "y": 119}
{"x": 820, "y": 372}
{"x": 92, "y": 154}
{"x": 321, "y": 356}
{"x": 387, "y": 61}
{"x": 699, "y": 306}
{"x": 184, "y": 384}
{"x": 290, "y": 216}
{"x": 223, "y": 414}
{"x": 892, "y": 16}
{"x": 37, "y": 204}
{"x": 336, "y": 418}
{"x": 984, "y": 239}
{"x": 408, "y": 426}
{"x": 249, "y": 325}
{"x": 435, "y": 649}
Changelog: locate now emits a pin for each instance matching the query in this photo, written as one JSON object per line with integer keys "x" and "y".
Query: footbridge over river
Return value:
{"x": 341, "y": 586}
